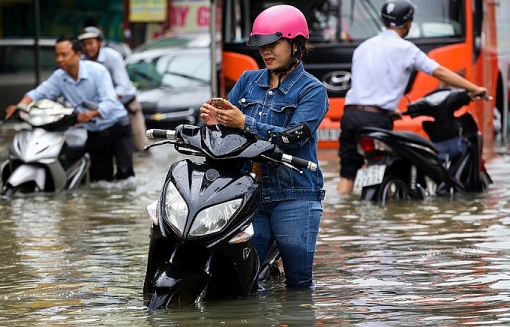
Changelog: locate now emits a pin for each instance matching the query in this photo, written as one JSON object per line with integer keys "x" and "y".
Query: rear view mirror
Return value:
{"x": 90, "y": 104}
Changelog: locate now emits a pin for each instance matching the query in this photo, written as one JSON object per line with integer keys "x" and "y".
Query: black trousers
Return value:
{"x": 114, "y": 142}
{"x": 352, "y": 122}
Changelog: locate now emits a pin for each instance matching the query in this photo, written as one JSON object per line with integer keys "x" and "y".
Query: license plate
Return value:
{"x": 329, "y": 134}
{"x": 371, "y": 175}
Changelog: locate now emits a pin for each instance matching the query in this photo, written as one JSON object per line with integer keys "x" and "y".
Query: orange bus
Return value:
{"x": 503, "y": 32}
{"x": 459, "y": 34}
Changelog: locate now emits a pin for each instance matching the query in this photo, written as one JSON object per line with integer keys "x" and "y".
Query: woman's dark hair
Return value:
{"x": 304, "y": 47}
{"x": 76, "y": 44}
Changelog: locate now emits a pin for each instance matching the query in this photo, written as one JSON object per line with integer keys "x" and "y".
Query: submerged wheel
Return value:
{"x": 9, "y": 192}
{"x": 170, "y": 298}
{"x": 393, "y": 189}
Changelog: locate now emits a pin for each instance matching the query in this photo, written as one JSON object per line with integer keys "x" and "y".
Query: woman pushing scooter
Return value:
{"x": 269, "y": 100}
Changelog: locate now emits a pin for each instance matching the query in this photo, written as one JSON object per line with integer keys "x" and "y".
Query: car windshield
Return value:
{"x": 355, "y": 20}
{"x": 177, "y": 71}
{"x": 199, "y": 40}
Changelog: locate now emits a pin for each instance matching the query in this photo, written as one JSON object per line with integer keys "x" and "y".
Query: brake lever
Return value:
{"x": 158, "y": 143}
{"x": 482, "y": 97}
{"x": 292, "y": 167}
{"x": 282, "y": 163}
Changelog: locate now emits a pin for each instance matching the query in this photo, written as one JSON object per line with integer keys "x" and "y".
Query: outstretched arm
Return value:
{"x": 12, "y": 108}
{"x": 448, "y": 77}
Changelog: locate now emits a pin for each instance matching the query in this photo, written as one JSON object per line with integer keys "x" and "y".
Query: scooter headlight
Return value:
{"x": 213, "y": 219}
{"x": 176, "y": 209}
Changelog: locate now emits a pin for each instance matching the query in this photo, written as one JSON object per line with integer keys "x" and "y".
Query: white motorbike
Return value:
{"x": 49, "y": 156}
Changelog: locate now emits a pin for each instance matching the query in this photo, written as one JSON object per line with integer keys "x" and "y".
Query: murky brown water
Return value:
{"x": 78, "y": 259}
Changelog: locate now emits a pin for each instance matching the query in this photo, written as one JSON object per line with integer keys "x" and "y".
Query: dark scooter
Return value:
{"x": 405, "y": 165}
{"x": 49, "y": 156}
{"x": 202, "y": 222}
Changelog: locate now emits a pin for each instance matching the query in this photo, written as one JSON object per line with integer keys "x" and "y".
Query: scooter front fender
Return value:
{"x": 369, "y": 193}
{"x": 175, "y": 286}
{"x": 26, "y": 173}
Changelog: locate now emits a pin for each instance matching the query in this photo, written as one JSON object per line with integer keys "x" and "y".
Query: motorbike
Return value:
{"x": 49, "y": 156}
{"x": 404, "y": 165}
{"x": 202, "y": 221}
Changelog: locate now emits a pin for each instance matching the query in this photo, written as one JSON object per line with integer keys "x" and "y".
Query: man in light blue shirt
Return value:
{"x": 381, "y": 69}
{"x": 109, "y": 131}
{"x": 91, "y": 39}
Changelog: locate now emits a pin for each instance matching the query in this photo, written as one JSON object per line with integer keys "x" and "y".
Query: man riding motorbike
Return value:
{"x": 381, "y": 69}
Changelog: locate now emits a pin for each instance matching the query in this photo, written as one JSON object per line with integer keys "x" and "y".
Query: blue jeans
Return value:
{"x": 294, "y": 224}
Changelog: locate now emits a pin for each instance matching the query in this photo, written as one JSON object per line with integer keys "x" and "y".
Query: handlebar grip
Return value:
{"x": 298, "y": 162}
{"x": 160, "y": 134}
{"x": 22, "y": 106}
{"x": 479, "y": 95}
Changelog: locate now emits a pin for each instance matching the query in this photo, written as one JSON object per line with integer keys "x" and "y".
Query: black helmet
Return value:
{"x": 91, "y": 32}
{"x": 396, "y": 13}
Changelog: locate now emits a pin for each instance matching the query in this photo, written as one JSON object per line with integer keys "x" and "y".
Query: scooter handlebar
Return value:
{"x": 161, "y": 134}
{"x": 298, "y": 162}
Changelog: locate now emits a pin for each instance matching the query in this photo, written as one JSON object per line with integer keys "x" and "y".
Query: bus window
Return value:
{"x": 347, "y": 21}
{"x": 449, "y": 31}
{"x": 438, "y": 18}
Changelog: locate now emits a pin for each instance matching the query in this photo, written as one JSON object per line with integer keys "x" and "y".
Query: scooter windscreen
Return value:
{"x": 225, "y": 142}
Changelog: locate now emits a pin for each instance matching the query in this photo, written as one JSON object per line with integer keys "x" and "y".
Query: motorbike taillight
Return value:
{"x": 366, "y": 144}
{"x": 371, "y": 148}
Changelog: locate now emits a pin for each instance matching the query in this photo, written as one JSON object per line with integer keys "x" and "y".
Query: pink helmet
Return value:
{"x": 276, "y": 22}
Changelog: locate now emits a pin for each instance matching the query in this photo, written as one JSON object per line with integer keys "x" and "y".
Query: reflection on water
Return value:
{"x": 79, "y": 259}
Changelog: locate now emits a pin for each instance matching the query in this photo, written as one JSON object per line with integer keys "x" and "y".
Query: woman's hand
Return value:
{"x": 207, "y": 115}
{"x": 229, "y": 115}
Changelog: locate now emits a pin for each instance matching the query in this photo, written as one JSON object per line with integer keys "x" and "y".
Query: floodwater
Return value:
{"x": 78, "y": 259}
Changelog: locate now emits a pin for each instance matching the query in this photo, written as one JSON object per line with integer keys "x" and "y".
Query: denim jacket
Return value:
{"x": 299, "y": 98}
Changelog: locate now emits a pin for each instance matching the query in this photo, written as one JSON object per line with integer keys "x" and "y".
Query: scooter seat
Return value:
{"x": 415, "y": 138}
{"x": 402, "y": 136}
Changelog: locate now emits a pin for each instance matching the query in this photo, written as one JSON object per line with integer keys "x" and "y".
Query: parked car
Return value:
{"x": 177, "y": 40}
{"x": 17, "y": 65}
{"x": 172, "y": 74}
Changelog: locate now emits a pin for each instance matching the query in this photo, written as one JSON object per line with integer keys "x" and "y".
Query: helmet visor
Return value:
{"x": 257, "y": 40}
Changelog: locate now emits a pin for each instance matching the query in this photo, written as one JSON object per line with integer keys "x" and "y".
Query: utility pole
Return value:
{"x": 37, "y": 52}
